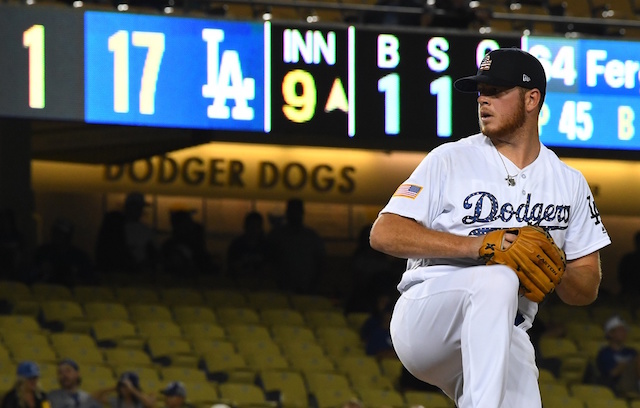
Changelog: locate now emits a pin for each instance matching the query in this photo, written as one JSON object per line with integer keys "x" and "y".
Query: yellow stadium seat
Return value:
{"x": 340, "y": 341}
{"x": 175, "y": 351}
{"x": 41, "y": 354}
{"x": 606, "y": 403}
{"x": 181, "y": 297}
{"x": 275, "y": 316}
{"x": 579, "y": 331}
{"x": 248, "y": 331}
{"x": 551, "y": 389}
{"x": 313, "y": 364}
{"x": 290, "y": 386}
{"x": 80, "y": 353}
{"x": 69, "y": 313}
{"x": 105, "y": 310}
{"x": 63, "y": 339}
{"x": 380, "y": 398}
{"x": 202, "y": 393}
{"x": 12, "y": 291}
{"x": 221, "y": 298}
{"x": 228, "y": 367}
{"x": 158, "y": 328}
{"x": 551, "y": 347}
{"x": 333, "y": 397}
{"x": 391, "y": 368}
{"x": 202, "y": 346}
{"x": 326, "y": 318}
{"x": 317, "y": 381}
{"x": 237, "y": 315}
{"x": 51, "y": 291}
{"x": 591, "y": 392}
{"x": 203, "y": 330}
{"x": 267, "y": 361}
{"x": 357, "y": 319}
{"x": 305, "y": 303}
{"x": 302, "y": 349}
{"x": 249, "y": 347}
{"x": 193, "y": 314}
{"x": 350, "y": 364}
{"x": 261, "y": 300}
{"x": 185, "y": 374}
{"x": 241, "y": 394}
{"x": 369, "y": 380}
{"x": 131, "y": 295}
{"x": 116, "y": 333}
{"x": 285, "y": 333}
{"x": 13, "y": 339}
{"x": 127, "y": 356}
{"x": 19, "y": 323}
{"x": 85, "y": 293}
{"x": 140, "y": 312}
{"x": 427, "y": 399}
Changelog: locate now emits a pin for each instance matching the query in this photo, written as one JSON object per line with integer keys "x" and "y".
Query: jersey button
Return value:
{"x": 524, "y": 176}
{"x": 524, "y": 192}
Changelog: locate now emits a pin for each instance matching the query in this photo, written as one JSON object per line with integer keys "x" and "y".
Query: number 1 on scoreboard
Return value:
{"x": 33, "y": 39}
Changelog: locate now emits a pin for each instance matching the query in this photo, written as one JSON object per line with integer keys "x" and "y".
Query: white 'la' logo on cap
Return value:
{"x": 525, "y": 78}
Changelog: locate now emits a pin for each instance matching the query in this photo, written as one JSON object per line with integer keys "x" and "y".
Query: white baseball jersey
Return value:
{"x": 461, "y": 187}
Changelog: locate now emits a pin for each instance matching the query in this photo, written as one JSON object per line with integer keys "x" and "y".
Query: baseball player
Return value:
{"x": 476, "y": 271}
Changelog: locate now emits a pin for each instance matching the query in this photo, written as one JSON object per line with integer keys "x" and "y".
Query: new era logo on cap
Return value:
{"x": 525, "y": 78}
{"x": 486, "y": 63}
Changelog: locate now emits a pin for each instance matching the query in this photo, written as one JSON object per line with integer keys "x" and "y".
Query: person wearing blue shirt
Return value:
{"x": 618, "y": 364}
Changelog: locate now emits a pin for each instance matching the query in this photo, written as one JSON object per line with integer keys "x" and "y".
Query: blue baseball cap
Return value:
{"x": 132, "y": 377}
{"x": 28, "y": 369}
{"x": 174, "y": 389}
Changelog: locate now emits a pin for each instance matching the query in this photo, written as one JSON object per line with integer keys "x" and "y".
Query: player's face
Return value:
{"x": 501, "y": 110}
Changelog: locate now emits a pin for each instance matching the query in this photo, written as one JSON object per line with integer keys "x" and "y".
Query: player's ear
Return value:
{"x": 532, "y": 99}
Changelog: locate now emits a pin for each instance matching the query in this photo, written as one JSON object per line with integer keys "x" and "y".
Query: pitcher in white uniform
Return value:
{"x": 459, "y": 324}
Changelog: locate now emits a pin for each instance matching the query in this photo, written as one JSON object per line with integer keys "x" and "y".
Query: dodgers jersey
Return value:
{"x": 461, "y": 187}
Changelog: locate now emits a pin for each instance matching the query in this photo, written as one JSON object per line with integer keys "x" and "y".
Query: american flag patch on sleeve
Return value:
{"x": 408, "y": 190}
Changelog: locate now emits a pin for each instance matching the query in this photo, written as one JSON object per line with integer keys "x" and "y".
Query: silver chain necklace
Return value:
{"x": 511, "y": 180}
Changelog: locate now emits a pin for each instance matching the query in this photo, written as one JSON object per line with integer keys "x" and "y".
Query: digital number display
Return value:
{"x": 41, "y": 63}
{"x": 593, "y": 92}
{"x": 190, "y": 73}
{"x": 304, "y": 84}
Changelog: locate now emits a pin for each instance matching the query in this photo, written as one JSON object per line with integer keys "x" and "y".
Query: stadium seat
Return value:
{"x": 261, "y": 300}
{"x": 131, "y": 295}
{"x": 367, "y": 381}
{"x": 240, "y": 394}
{"x": 84, "y": 294}
{"x": 158, "y": 328}
{"x": 312, "y": 364}
{"x": 391, "y": 368}
{"x": 112, "y": 333}
{"x": 203, "y": 330}
{"x": 325, "y": 318}
{"x": 118, "y": 357}
{"x": 591, "y": 392}
{"x": 202, "y": 393}
{"x": 67, "y": 313}
{"x": 340, "y": 341}
{"x": 140, "y": 312}
{"x": 220, "y": 298}
{"x": 230, "y": 366}
{"x": 275, "y": 316}
{"x": 106, "y": 310}
{"x": 202, "y": 346}
{"x": 427, "y": 399}
{"x": 50, "y": 291}
{"x": 181, "y": 297}
{"x": 185, "y": 374}
{"x": 248, "y": 331}
{"x": 82, "y": 354}
{"x": 606, "y": 403}
{"x": 289, "y": 385}
{"x": 351, "y": 364}
{"x": 302, "y": 349}
{"x": 267, "y": 361}
{"x": 381, "y": 398}
{"x": 193, "y": 314}
{"x": 237, "y": 315}
{"x": 16, "y": 322}
{"x": 171, "y": 351}
{"x": 285, "y": 333}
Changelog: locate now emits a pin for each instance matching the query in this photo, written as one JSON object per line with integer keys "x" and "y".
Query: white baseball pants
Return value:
{"x": 457, "y": 332}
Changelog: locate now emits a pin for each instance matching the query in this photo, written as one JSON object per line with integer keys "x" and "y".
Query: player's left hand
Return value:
{"x": 531, "y": 252}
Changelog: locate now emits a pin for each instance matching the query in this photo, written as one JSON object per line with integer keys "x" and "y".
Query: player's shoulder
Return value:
{"x": 559, "y": 166}
{"x": 469, "y": 144}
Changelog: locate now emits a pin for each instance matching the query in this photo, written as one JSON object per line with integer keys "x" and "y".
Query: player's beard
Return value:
{"x": 510, "y": 124}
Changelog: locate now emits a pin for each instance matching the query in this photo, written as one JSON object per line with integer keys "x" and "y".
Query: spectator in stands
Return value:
{"x": 111, "y": 250}
{"x": 375, "y": 331}
{"x": 139, "y": 237}
{"x": 69, "y": 395}
{"x": 26, "y": 393}
{"x": 60, "y": 261}
{"x": 618, "y": 364}
{"x": 373, "y": 274}
{"x": 185, "y": 252}
{"x": 128, "y": 393}
{"x": 629, "y": 271}
{"x": 175, "y": 395}
{"x": 297, "y": 253}
{"x": 247, "y": 253}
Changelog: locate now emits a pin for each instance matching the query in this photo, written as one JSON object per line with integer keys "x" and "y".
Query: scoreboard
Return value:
{"x": 306, "y": 84}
